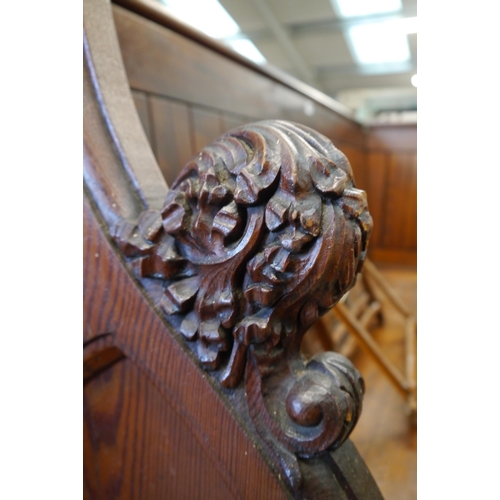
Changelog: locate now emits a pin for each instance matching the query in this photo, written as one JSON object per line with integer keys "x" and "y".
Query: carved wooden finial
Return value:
{"x": 261, "y": 233}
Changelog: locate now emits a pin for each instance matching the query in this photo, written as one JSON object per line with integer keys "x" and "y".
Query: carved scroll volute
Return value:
{"x": 262, "y": 233}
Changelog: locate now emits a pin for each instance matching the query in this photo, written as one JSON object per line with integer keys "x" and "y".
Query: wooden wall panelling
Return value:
{"x": 232, "y": 121}
{"x": 207, "y": 125}
{"x": 376, "y": 180}
{"x": 129, "y": 427}
{"x": 392, "y": 192}
{"x": 398, "y": 202}
{"x": 172, "y": 135}
{"x": 161, "y": 62}
{"x": 411, "y": 214}
{"x": 401, "y": 137}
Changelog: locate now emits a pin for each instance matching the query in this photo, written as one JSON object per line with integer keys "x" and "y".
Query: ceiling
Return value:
{"x": 310, "y": 39}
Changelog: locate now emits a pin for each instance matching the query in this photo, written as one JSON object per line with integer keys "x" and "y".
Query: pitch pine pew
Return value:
{"x": 196, "y": 299}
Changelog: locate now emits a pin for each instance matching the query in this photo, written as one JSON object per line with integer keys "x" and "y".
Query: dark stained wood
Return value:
{"x": 376, "y": 180}
{"x": 405, "y": 257}
{"x": 137, "y": 446}
{"x": 261, "y": 233}
{"x": 398, "y": 209}
{"x": 174, "y": 290}
{"x": 114, "y": 304}
{"x": 391, "y": 185}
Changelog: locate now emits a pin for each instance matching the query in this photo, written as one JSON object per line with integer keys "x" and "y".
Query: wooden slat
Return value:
{"x": 411, "y": 352}
{"x": 172, "y": 136}
{"x": 395, "y": 202}
{"x": 207, "y": 126}
{"x": 367, "y": 342}
{"x": 373, "y": 273}
{"x": 383, "y": 435}
{"x": 377, "y": 174}
{"x": 350, "y": 344}
{"x": 410, "y": 235}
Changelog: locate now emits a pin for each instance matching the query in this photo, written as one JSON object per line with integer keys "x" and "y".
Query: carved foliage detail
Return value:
{"x": 260, "y": 234}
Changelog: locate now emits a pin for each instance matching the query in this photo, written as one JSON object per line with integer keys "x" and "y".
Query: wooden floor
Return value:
{"x": 384, "y": 436}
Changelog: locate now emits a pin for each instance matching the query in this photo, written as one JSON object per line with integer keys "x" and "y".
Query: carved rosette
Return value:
{"x": 262, "y": 233}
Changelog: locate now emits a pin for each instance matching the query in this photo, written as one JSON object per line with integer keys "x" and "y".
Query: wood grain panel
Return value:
{"x": 172, "y": 135}
{"x": 410, "y": 240}
{"x": 207, "y": 126}
{"x": 136, "y": 446}
{"x": 395, "y": 202}
{"x": 391, "y": 185}
{"x": 376, "y": 184}
{"x": 399, "y": 220}
{"x": 393, "y": 137}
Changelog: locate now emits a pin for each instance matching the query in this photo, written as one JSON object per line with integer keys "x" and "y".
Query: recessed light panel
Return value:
{"x": 358, "y": 8}
{"x": 246, "y": 48}
{"x": 206, "y": 15}
{"x": 377, "y": 43}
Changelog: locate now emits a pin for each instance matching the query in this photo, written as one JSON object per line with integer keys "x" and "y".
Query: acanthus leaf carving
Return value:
{"x": 262, "y": 233}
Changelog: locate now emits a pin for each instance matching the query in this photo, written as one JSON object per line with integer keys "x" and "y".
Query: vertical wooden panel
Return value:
{"x": 137, "y": 447}
{"x": 396, "y": 200}
{"x": 141, "y": 104}
{"x": 232, "y": 121}
{"x": 172, "y": 136}
{"x": 411, "y": 215}
{"x": 207, "y": 126}
{"x": 377, "y": 173}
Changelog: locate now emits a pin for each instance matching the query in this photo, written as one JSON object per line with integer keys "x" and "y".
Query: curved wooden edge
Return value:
{"x": 106, "y": 77}
{"x": 114, "y": 303}
{"x": 154, "y": 11}
{"x": 99, "y": 354}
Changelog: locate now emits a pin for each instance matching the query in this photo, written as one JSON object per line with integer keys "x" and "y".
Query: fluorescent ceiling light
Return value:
{"x": 356, "y": 8}
{"x": 206, "y": 15}
{"x": 406, "y": 25}
{"x": 414, "y": 80}
{"x": 376, "y": 43}
{"x": 246, "y": 48}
